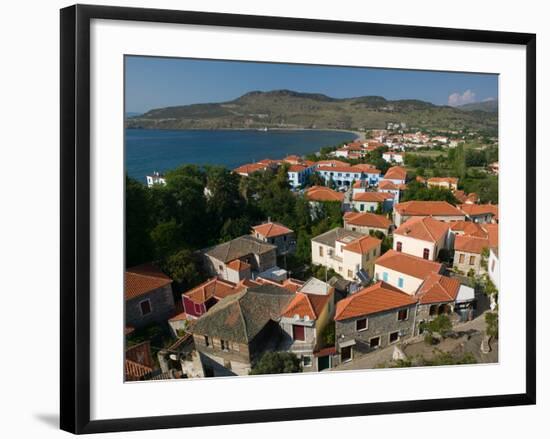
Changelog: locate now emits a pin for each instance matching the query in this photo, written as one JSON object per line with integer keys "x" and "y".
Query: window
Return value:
{"x": 426, "y": 254}
{"x": 372, "y": 208}
{"x": 339, "y": 269}
{"x": 220, "y": 267}
{"x": 225, "y": 345}
{"x": 207, "y": 341}
{"x": 374, "y": 342}
{"x": 399, "y": 246}
{"x": 472, "y": 260}
{"x": 402, "y": 314}
{"x": 385, "y": 276}
{"x": 361, "y": 207}
{"x": 394, "y": 336}
{"x": 433, "y": 310}
{"x": 461, "y": 258}
{"x": 346, "y": 354}
{"x": 298, "y": 333}
{"x": 145, "y": 307}
{"x": 306, "y": 361}
{"x": 320, "y": 251}
{"x": 350, "y": 273}
{"x": 400, "y": 282}
{"x": 361, "y": 324}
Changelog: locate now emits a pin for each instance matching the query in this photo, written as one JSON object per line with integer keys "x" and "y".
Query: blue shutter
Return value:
{"x": 385, "y": 276}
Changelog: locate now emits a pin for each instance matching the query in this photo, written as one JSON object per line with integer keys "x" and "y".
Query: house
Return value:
{"x": 440, "y": 294}
{"x": 250, "y": 168}
{"x": 388, "y": 186}
{"x": 480, "y": 213}
{"x": 155, "y": 179}
{"x": 463, "y": 198}
{"x": 321, "y": 194}
{"x": 468, "y": 251}
{"x": 364, "y": 222}
{"x": 138, "y": 362}
{"x": 148, "y": 296}
{"x": 235, "y": 332}
{"x": 330, "y": 163}
{"x": 423, "y": 237}
{"x": 370, "y": 174}
{"x": 440, "y": 210}
{"x": 450, "y": 183}
{"x": 350, "y": 254}
{"x": 303, "y": 322}
{"x": 241, "y": 258}
{"x": 393, "y": 157}
{"x": 404, "y": 271}
{"x": 203, "y": 297}
{"x": 276, "y": 234}
{"x": 396, "y": 174}
{"x": 339, "y": 175}
{"x": 493, "y": 267}
{"x": 372, "y": 201}
{"x": 373, "y": 318}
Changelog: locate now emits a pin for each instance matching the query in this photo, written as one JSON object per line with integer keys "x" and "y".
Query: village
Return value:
{"x": 397, "y": 265}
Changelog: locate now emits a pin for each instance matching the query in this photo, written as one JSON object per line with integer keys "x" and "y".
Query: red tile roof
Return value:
{"x": 250, "y": 168}
{"x": 297, "y": 168}
{"x": 468, "y": 228}
{"x": 238, "y": 265}
{"x": 436, "y": 180}
{"x": 367, "y": 168}
{"x": 479, "y": 209}
{"x": 373, "y": 197}
{"x": 347, "y": 169}
{"x": 304, "y": 304}
{"x": 367, "y": 219}
{"x": 321, "y": 193}
{"x": 374, "y": 299}
{"x": 388, "y": 185}
{"x": 408, "y": 264}
{"x": 424, "y": 228}
{"x": 437, "y": 288}
{"x": 331, "y": 163}
{"x": 396, "y": 173}
{"x": 492, "y": 232}
{"x": 270, "y": 230}
{"x": 363, "y": 245}
{"x": 470, "y": 244}
{"x": 211, "y": 288}
{"x": 289, "y": 284}
{"x": 427, "y": 208}
{"x": 142, "y": 279}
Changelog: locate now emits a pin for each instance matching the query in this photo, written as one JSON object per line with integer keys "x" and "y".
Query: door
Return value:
{"x": 298, "y": 333}
{"x": 323, "y": 363}
{"x": 345, "y": 353}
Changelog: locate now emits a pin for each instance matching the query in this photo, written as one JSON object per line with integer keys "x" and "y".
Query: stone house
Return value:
{"x": 440, "y": 210}
{"x": 235, "y": 332}
{"x": 148, "y": 296}
{"x": 241, "y": 258}
{"x": 423, "y": 237}
{"x": 276, "y": 234}
{"x": 346, "y": 252}
{"x": 366, "y": 222}
{"x": 467, "y": 253}
{"x": 373, "y": 318}
{"x": 303, "y": 322}
{"x": 403, "y": 271}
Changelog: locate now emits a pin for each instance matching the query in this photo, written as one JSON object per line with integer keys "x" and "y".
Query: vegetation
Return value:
{"x": 440, "y": 325}
{"x": 290, "y": 109}
{"x": 418, "y": 191}
{"x": 328, "y": 336}
{"x": 491, "y": 322}
{"x": 277, "y": 362}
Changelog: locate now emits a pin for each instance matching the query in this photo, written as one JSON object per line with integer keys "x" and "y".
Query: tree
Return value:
{"x": 441, "y": 325}
{"x": 184, "y": 268}
{"x": 139, "y": 247}
{"x": 277, "y": 362}
{"x": 167, "y": 238}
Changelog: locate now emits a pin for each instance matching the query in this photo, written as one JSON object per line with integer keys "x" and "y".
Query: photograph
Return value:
{"x": 300, "y": 218}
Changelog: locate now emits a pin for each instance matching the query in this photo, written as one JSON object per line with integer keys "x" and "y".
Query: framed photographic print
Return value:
{"x": 340, "y": 214}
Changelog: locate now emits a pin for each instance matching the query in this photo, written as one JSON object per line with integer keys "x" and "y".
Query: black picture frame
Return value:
{"x": 75, "y": 217}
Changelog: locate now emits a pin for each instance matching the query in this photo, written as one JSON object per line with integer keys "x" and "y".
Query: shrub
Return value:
{"x": 277, "y": 362}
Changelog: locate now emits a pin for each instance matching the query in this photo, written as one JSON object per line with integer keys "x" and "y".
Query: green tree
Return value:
{"x": 277, "y": 362}
{"x": 139, "y": 221}
{"x": 167, "y": 238}
{"x": 491, "y": 324}
{"x": 184, "y": 268}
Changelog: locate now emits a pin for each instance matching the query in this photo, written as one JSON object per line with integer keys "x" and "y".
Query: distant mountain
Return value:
{"x": 132, "y": 114}
{"x": 487, "y": 106}
{"x": 292, "y": 109}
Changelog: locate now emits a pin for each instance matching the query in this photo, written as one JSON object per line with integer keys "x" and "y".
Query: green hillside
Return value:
{"x": 291, "y": 109}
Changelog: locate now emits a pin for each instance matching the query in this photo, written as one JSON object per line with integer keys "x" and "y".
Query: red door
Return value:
{"x": 298, "y": 333}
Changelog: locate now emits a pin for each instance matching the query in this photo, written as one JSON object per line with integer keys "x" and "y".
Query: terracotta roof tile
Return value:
{"x": 450, "y": 180}
{"x": 250, "y": 168}
{"x": 321, "y": 193}
{"x": 211, "y": 288}
{"x": 363, "y": 245}
{"x": 345, "y": 169}
{"x": 367, "y": 219}
{"x": 479, "y": 209}
{"x": 270, "y": 230}
{"x": 408, "y": 264}
{"x": 468, "y": 228}
{"x": 427, "y": 208}
{"x": 378, "y": 197}
{"x": 396, "y": 173}
{"x": 492, "y": 232}
{"x": 238, "y": 265}
{"x": 424, "y": 228}
{"x": 438, "y": 288}
{"x": 304, "y": 304}
{"x": 142, "y": 279}
{"x": 374, "y": 299}
{"x": 470, "y": 244}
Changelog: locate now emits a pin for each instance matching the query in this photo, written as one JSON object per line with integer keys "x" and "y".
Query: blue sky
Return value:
{"x": 162, "y": 82}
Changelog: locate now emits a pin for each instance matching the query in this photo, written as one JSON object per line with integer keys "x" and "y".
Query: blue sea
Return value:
{"x": 161, "y": 150}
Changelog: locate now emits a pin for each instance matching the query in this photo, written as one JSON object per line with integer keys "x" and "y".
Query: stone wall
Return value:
{"x": 162, "y": 308}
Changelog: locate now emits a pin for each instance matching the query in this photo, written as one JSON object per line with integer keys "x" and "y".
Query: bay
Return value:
{"x": 147, "y": 150}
